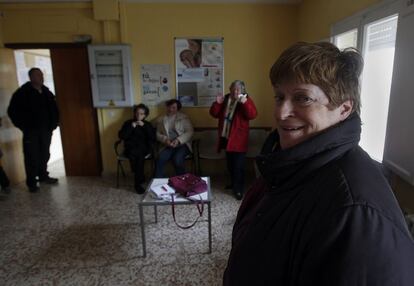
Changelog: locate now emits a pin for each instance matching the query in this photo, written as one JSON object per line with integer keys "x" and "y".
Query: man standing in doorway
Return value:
{"x": 34, "y": 111}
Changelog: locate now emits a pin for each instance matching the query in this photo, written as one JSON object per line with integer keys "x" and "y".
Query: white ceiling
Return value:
{"x": 164, "y": 1}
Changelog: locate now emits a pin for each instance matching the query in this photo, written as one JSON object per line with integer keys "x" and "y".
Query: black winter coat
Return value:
{"x": 31, "y": 110}
{"x": 322, "y": 214}
{"x": 138, "y": 140}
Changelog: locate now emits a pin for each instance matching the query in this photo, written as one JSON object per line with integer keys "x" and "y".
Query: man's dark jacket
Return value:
{"x": 322, "y": 214}
{"x": 31, "y": 110}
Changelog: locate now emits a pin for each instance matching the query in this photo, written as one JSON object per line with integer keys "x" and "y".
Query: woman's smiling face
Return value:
{"x": 303, "y": 110}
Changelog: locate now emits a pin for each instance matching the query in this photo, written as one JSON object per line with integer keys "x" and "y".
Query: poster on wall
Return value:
{"x": 155, "y": 83}
{"x": 199, "y": 71}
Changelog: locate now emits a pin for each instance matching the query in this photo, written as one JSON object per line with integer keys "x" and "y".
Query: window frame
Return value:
{"x": 359, "y": 20}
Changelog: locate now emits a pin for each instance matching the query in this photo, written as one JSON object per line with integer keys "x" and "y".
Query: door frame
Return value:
{"x": 21, "y": 46}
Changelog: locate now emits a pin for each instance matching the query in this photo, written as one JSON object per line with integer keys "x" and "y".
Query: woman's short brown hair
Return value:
{"x": 323, "y": 64}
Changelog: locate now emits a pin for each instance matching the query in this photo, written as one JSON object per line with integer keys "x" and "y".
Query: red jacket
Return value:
{"x": 239, "y": 130}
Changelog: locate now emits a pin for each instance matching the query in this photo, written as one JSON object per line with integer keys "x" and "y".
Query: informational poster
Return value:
{"x": 155, "y": 82}
{"x": 199, "y": 70}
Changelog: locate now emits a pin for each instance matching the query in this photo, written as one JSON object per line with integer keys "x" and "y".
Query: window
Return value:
{"x": 379, "y": 47}
{"x": 373, "y": 32}
{"x": 347, "y": 39}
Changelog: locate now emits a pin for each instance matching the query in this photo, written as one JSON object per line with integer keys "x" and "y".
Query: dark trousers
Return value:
{"x": 235, "y": 166}
{"x": 36, "y": 144}
{"x": 4, "y": 180}
{"x": 177, "y": 155}
{"x": 137, "y": 160}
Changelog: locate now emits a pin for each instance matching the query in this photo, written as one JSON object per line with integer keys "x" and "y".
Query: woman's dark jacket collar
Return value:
{"x": 282, "y": 169}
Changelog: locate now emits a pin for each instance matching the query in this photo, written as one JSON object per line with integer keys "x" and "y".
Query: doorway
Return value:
{"x": 26, "y": 59}
{"x": 77, "y": 117}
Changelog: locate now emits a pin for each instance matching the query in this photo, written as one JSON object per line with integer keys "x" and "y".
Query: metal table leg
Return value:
{"x": 209, "y": 227}
{"x": 141, "y": 217}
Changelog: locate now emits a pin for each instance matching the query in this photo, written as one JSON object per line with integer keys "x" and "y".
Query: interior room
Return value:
{"x": 87, "y": 229}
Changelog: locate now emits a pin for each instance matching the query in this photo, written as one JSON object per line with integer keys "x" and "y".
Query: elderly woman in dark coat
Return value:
{"x": 322, "y": 212}
{"x": 139, "y": 137}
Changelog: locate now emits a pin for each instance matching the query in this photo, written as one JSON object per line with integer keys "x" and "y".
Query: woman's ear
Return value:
{"x": 346, "y": 109}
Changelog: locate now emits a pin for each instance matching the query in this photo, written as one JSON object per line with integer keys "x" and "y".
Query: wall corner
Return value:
{"x": 106, "y": 10}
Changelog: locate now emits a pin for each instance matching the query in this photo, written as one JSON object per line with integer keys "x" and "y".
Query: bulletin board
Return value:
{"x": 199, "y": 70}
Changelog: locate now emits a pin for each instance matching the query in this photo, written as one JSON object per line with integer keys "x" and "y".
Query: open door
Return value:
{"x": 78, "y": 120}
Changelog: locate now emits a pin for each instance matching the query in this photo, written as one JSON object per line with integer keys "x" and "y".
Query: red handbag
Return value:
{"x": 188, "y": 184}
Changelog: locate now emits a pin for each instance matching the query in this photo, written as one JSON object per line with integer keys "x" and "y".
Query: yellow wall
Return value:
{"x": 106, "y": 10}
{"x": 254, "y": 35}
{"x": 10, "y": 137}
{"x": 48, "y": 23}
{"x": 317, "y": 16}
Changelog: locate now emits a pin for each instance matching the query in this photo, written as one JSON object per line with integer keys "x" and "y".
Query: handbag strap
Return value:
{"x": 199, "y": 208}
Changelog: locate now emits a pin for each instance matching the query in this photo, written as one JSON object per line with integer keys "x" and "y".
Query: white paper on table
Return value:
{"x": 180, "y": 198}
{"x": 161, "y": 191}
{"x": 199, "y": 197}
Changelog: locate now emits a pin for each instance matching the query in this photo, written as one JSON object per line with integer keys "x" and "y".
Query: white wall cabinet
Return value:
{"x": 110, "y": 69}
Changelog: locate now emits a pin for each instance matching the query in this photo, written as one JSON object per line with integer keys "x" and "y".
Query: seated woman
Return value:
{"x": 174, "y": 132}
{"x": 139, "y": 137}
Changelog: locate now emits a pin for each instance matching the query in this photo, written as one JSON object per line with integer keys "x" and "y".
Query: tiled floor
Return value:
{"x": 84, "y": 231}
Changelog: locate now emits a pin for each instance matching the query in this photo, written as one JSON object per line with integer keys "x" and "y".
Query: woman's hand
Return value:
{"x": 175, "y": 143}
{"x": 220, "y": 99}
{"x": 242, "y": 97}
{"x": 137, "y": 123}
